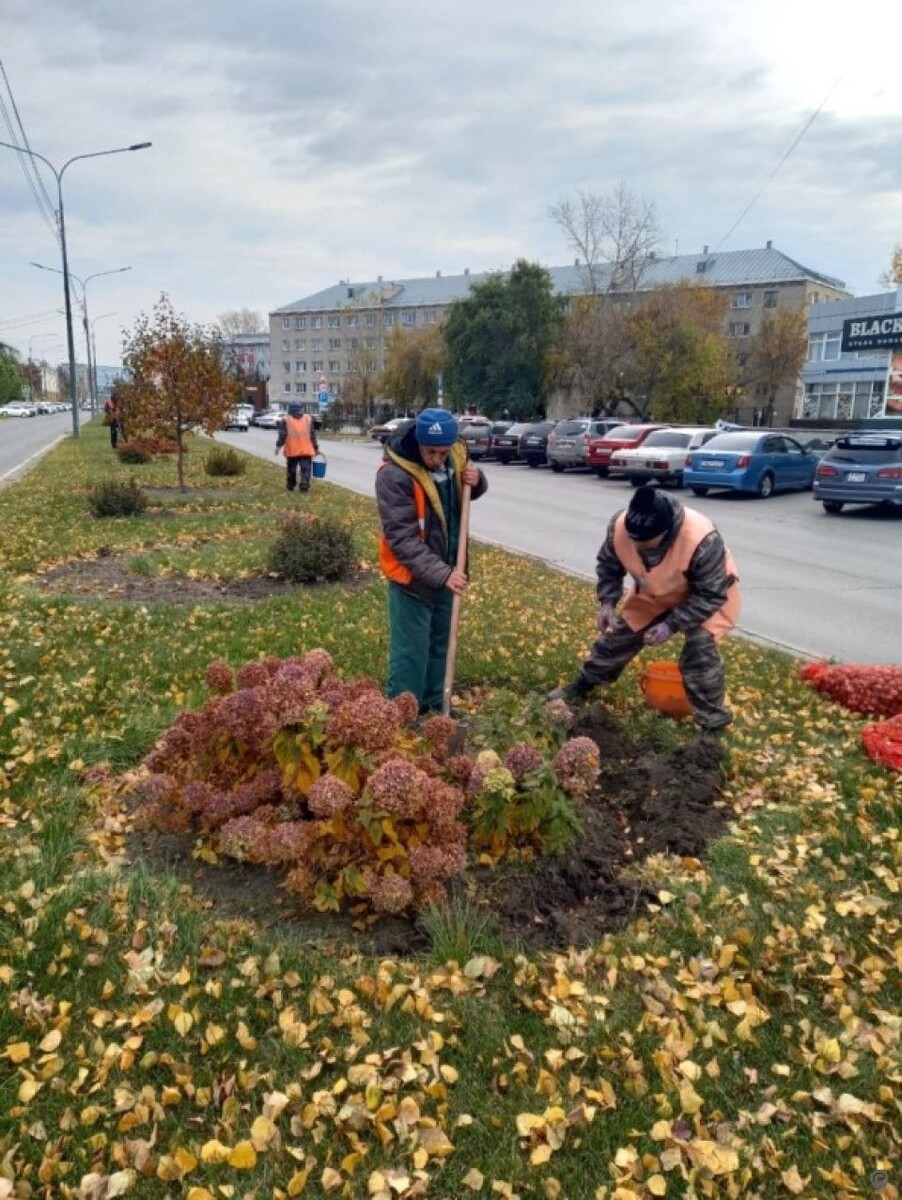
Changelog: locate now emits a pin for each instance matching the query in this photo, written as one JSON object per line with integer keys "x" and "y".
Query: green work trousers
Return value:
{"x": 418, "y": 645}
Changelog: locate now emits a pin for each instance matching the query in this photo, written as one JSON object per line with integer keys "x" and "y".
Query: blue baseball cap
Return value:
{"x": 437, "y": 427}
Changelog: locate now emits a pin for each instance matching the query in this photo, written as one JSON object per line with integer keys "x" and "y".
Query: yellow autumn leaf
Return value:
{"x": 18, "y": 1052}
{"x": 473, "y": 1179}
{"x": 215, "y": 1152}
{"x": 540, "y": 1155}
{"x": 262, "y": 1132}
{"x": 298, "y": 1182}
{"x": 657, "y": 1185}
{"x": 719, "y": 1160}
{"x": 51, "y": 1041}
{"x": 243, "y": 1157}
{"x": 330, "y": 1179}
{"x": 28, "y": 1090}
{"x": 199, "y": 1193}
{"x": 436, "y": 1142}
{"x": 793, "y": 1181}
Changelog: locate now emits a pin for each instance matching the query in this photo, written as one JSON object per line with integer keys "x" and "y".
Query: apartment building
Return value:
{"x": 320, "y": 342}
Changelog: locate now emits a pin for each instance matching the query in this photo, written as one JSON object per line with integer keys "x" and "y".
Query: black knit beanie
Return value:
{"x": 648, "y": 515}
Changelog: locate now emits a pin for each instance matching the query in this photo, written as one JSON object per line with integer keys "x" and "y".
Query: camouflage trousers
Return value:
{"x": 700, "y": 664}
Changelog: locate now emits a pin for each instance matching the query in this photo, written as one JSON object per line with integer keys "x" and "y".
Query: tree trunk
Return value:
{"x": 180, "y": 457}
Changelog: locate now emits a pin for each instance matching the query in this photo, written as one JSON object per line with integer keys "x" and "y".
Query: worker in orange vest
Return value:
{"x": 297, "y": 441}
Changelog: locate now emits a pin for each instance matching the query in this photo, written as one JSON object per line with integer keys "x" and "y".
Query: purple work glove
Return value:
{"x": 605, "y": 619}
{"x": 658, "y": 634}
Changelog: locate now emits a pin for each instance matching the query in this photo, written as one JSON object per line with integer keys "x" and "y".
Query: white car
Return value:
{"x": 18, "y": 408}
{"x": 662, "y": 456}
{"x": 269, "y": 419}
{"x": 237, "y": 420}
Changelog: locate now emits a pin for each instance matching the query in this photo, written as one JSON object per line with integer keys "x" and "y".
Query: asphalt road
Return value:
{"x": 818, "y": 585}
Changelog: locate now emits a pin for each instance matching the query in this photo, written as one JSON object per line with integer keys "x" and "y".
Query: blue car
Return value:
{"x": 750, "y": 460}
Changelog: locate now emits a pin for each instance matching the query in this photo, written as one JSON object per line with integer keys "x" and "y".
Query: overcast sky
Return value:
{"x": 296, "y": 144}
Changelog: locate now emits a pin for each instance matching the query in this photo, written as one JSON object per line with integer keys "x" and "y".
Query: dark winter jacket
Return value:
{"x": 426, "y": 556}
{"x": 707, "y": 575}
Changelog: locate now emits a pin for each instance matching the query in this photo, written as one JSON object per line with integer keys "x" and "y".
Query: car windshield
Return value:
{"x": 571, "y": 427}
{"x": 866, "y": 450}
{"x": 668, "y": 437}
{"x": 540, "y": 427}
{"x": 515, "y": 430}
{"x": 472, "y": 432}
{"x": 734, "y": 441}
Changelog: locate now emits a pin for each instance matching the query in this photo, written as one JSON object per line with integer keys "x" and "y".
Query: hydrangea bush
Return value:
{"x": 288, "y": 766}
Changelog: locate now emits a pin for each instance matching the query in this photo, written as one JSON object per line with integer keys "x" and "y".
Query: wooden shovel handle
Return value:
{"x": 460, "y": 565}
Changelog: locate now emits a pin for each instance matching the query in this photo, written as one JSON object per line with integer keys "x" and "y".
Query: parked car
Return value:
{"x": 237, "y": 420}
{"x": 18, "y": 408}
{"x": 662, "y": 456}
{"x": 381, "y": 433}
{"x": 621, "y": 437}
{"x": 498, "y": 428}
{"x": 534, "y": 443}
{"x": 478, "y": 437}
{"x": 506, "y": 446}
{"x": 860, "y": 468}
{"x": 269, "y": 418}
{"x": 568, "y": 445}
{"x": 750, "y": 460}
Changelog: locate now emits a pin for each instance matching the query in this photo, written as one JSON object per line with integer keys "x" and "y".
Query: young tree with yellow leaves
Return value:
{"x": 893, "y": 276}
{"x": 179, "y": 379}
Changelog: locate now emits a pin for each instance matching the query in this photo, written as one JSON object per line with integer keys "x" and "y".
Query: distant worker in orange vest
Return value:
{"x": 297, "y": 441}
{"x": 111, "y": 418}
{"x": 684, "y": 581}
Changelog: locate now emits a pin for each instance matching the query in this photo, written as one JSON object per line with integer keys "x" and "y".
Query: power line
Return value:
{"x": 29, "y": 167}
{"x": 786, "y": 155}
{"x": 29, "y": 319}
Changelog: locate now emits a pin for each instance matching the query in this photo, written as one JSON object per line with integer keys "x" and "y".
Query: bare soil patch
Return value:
{"x": 647, "y": 801}
{"x": 110, "y": 577}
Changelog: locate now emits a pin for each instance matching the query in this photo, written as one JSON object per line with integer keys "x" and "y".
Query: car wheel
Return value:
{"x": 699, "y": 491}
{"x": 533, "y": 462}
{"x": 765, "y": 486}
{"x": 557, "y": 468}
{"x": 833, "y": 506}
{"x": 601, "y": 472}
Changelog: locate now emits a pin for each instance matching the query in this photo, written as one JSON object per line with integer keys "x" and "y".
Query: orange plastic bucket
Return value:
{"x": 662, "y": 687}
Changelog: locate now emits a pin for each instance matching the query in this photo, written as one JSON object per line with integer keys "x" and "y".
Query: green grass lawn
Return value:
{"x": 742, "y": 1040}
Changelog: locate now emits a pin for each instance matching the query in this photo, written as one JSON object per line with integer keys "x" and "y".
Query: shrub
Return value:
{"x": 224, "y": 461}
{"x": 310, "y": 549}
{"x": 112, "y": 498}
{"x": 133, "y": 452}
{"x": 324, "y": 779}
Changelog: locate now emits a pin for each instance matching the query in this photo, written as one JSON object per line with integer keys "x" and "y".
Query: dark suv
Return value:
{"x": 534, "y": 443}
{"x": 860, "y": 468}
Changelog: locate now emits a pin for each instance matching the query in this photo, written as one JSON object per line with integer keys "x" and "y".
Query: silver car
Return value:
{"x": 860, "y": 468}
{"x": 568, "y": 444}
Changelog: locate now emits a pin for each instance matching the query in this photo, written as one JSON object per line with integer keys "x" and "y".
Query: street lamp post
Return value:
{"x": 58, "y": 175}
{"x": 83, "y": 284}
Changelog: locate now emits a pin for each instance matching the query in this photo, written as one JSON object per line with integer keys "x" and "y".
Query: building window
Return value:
{"x": 429, "y": 316}
{"x": 300, "y": 344}
{"x": 334, "y": 366}
{"x": 739, "y": 329}
{"x": 286, "y": 387}
{"x": 317, "y": 364}
{"x": 300, "y": 388}
{"x": 388, "y": 318}
{"x": 369, "y": 319}
{"x": 286, "y": 343}
{"x": 741, "y": 300}
{"x": 353, "y": 343}
{"x": 408, "y": 318}
{"x": 334, "y": 343}
{"x": 286, "y": 322}
{"x": 371, "y": 343}
{"x": 770, "y": 299}
{"x": 334, "y": 322}
{"x": 286, "y": 367}
{"x": 300, "y": 366}
{"x": 316, "y": 322}
{"x": 351, "y": 322}
{"x": 300, "y": 322}
{"x": 316, "y": 343}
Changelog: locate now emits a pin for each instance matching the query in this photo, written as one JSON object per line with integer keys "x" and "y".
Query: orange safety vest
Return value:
{"x": 390, "y": 566}
{"x": 663, "y": 587}
{"x": 298, "y": 443}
